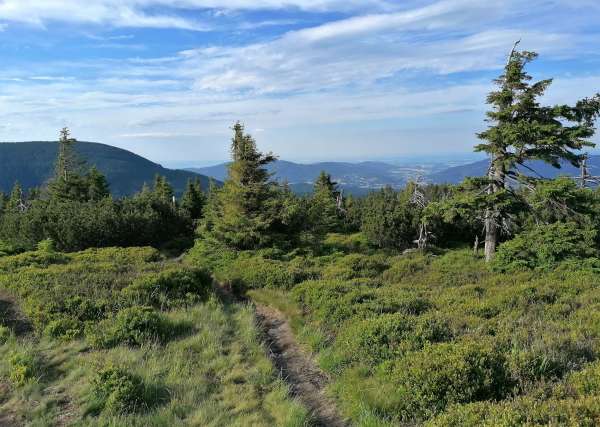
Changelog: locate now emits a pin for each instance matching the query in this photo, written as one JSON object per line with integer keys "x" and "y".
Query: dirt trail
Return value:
{"x": 306, "y": 380}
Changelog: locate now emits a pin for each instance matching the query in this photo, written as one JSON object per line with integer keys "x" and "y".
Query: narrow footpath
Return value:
{"x": 306, "y": 380}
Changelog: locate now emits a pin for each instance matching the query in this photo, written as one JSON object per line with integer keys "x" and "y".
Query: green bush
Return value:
{"x": 347, "y": 243}
{"x": 24, "y": 366}
{"x": 46, "y": 245}
{"x": 132, "y": 326}
{"x": 523, "y": 411}
{"x": 440, "y": 375}
{"x": 36, "y": 259}
{"x": 548, "y": 354}
{"x": 406, "y": 266}
{"x": 372, "y": 341}
{"x": 85, "y": 309}
{"x": 135, "y": 256}
{"x": 545, "y": 246}
{"x": 119, "y": 391}
{"x": 7, "y": 249}
{"x": 169, "y": 288}
{"x": 252, "y": 272}
{"x": 334, "y": 301}
{"x": 65, "y": 328}
{"x": 356, "y": 265}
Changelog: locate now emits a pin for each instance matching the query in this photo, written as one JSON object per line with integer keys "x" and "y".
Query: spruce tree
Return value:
{"x": 97, "y": 185}
{"x": 193, "y": 199}
{"x": 323, "y": 211}
{"x": 244, "y": 213}
{"x": 163, "y": 191}
{"x": 16, "y": 200}
{"x": 522, "y": 130}
{"x": 67, "y": 183}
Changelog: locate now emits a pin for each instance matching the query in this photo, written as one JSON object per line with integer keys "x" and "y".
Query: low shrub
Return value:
{"x": 406, "y": 266}
{"x": 34, "y": 258}
{"x": 440, "y": 375}
{"x": 132, "y": 326}
{"x": 118, "y": 391}
{"x": 169, "y": 288}
{"x": 334, "y": 301}
{"x": 7, "y": 249}
{"x": 374, "y": 340}
{"x": 135, "y": 255}
{"x": 545, "y": 246}
{"x": 65, "y": 328}
{"x": 356, "y": 265}
{"x": 24, "y": 366}
{"x": 347, "y": 243}
{"x": 523, "y": 411}
{"x": 547, "y": 355}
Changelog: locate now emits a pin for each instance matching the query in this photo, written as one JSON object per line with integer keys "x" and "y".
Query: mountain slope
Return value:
{"x": 457, "y": 174}
{"x": 32, "y": 164}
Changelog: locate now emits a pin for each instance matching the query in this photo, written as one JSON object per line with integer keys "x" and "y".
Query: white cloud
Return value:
{"x": 135, "y": 13}
{"x": 110, "y": 12}
{"x": 387, "y": 65}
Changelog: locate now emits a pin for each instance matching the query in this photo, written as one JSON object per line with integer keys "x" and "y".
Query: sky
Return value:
{"x": 310, "y": 79}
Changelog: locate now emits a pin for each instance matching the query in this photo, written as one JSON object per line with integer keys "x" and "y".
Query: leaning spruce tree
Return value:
{"x": 523, "y": 130}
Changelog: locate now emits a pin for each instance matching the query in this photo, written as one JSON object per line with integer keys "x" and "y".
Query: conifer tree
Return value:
{"x": 163, "y": 191}
{"x": 522, "y": 130}
{"x": 323, "y": 210}
{"x": 243, "y": 215}
{"x": 193, "y": 199}
{"x": 97, "y": 185}
{"x": 16, "y": 200}
{"x": 67, "y": 183}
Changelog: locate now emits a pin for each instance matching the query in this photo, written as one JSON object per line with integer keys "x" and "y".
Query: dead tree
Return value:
{"x": 419, "y": 199}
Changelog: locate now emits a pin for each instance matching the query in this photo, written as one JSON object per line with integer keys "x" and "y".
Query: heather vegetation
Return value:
{"x": 141, "y": 311}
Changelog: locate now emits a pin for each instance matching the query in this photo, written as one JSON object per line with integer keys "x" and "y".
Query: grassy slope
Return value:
{"x": 216, "y": 374}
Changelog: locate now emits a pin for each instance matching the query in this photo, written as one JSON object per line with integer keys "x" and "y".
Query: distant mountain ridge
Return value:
{"x": 32, "y": 164}
{"x": 356, "y": 178}
{"x": 457, "y": 174}
{"x": 361, "y": 178}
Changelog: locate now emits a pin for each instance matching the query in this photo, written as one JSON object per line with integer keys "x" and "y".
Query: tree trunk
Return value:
{"x": 497, "y": 176}
{"x": 491, "y": 236}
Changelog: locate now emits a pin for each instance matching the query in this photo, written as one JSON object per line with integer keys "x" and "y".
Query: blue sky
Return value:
{"x": 311, "y": 79}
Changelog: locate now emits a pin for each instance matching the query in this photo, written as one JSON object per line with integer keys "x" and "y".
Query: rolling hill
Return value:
{"x": 32, "y": 164}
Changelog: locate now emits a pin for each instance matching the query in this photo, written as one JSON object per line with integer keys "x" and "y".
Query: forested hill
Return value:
{"x": 457, "y": 174}
{"x": 32, "y": 164}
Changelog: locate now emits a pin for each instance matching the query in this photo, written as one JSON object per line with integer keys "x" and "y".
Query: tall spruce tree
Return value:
{"x": 68, "y": 182}
{"x": 244, "y": 213}
{"x": 522, "y": 130}
{"x": 323, "y": 211}
{"x": 193, "y": 199}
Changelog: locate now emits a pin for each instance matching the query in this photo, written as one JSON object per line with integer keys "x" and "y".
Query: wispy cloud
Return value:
{"x": 424, "y": 66}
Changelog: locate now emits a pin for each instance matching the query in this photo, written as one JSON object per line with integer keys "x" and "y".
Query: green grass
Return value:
{"x": 214, "y": 372}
